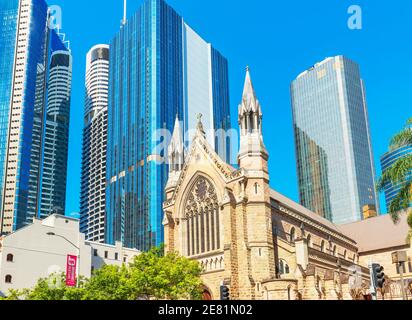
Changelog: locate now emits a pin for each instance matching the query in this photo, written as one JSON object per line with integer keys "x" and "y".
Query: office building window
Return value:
{"x": 106, "y": 254}
{"x": 95, "y": 252}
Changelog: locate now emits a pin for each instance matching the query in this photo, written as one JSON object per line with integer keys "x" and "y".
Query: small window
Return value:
{"x": 124, "y": 259}
{"x": 399, "y": 266}
{"x": 116, "y": 256}
{"x": 10, "y": 258}
{"x": 8, "y": 279}
{"x": 95, "y": 252}
{"x": 106, "y": 254}
{"x": 283, "y": 267}
{"x": 292, "y": 235}
{"x": 309, "y": 241}
{"x": 322, "y": 246}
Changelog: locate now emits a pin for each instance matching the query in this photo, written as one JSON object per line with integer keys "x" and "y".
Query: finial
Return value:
{"x": 200, "y": 124}
{"x": 247, "y": 69}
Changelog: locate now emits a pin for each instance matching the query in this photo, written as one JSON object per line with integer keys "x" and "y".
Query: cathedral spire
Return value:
{"x": 250, "y": 103}
{"x": 250, "y": 122}
{"x": 176, "y": 148}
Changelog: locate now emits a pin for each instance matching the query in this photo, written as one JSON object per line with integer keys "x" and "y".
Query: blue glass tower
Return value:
{"x": 159, "y": 68}
{"x": 26, "y": 45}
{"x": 9, "y": 11}
{"x": 389, "y": 159}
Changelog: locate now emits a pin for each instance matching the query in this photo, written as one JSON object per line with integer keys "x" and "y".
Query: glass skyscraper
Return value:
{"x": 332, "y": 137}
{"x": 159, "y": 68}
{"x": 388, "y": 160}
{"x": 28, "y": 78}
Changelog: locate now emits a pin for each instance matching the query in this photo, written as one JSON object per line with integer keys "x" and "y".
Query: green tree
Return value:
{"x": 170, "y": 276}
{"x": 110, "y": 283}
{"x": 152, "y": 275}
{"x": 51, "y": 288}
{"x": 398, "y": 173}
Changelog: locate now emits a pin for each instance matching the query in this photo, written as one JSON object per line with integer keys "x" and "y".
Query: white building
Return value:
{"x": 93, "y": 184}
{"x": 41, "y": 249}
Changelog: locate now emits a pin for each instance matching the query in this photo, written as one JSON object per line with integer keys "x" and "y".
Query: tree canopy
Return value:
{"x": 152, "y": 275}
{"x": 399, "y": 174}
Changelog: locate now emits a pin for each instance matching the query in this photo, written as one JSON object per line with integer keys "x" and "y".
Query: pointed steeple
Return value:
{"x": 250, "y": 103}
{"x": 176, "y": 148}
{"x": 250, "y": 122}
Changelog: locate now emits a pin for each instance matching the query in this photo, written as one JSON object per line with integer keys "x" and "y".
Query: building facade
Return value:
{"x": 93, "y": 181}
{"x": 388, "y": 160}
{"x": 332, "y": 139}
{"x": 159, "y": 68}
{"x": 378, "y": 238}
{"x": 41, "y": 249}
{"x": 55, "y": 137}
{"x": 26, "y": 68}
{"x": 259, "y": 243}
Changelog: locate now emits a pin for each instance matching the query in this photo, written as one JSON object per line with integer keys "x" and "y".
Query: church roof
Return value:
{"x": 302, "y": 210}
{"x": 378, "y": 233}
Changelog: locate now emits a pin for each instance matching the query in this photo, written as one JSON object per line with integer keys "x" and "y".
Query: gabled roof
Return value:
{"x": 378, "y": 233}
{"x": 200, "y": 144}
{"x": 301, "y": 210}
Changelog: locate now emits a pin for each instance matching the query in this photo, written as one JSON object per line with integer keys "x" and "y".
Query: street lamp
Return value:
{"x": 78, "y": 253}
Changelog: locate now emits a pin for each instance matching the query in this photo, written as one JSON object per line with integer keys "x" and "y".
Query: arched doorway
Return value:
{"x": 206, "y": 295}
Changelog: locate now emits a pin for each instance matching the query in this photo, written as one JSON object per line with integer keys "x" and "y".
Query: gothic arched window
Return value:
{"x": 283, "y": 267}
{"x": 292, "y": 235}
{"x": 202, "y": 225}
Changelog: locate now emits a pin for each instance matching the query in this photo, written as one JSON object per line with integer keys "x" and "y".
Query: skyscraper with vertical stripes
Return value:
{"x": 159, "y": 68}
{"x": 35, "y": 68}
{"x": 93, "y": 180}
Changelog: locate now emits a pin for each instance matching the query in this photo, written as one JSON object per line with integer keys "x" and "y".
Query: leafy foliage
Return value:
{"x": 398, "y": 174}
{"x": 152, "y": 275}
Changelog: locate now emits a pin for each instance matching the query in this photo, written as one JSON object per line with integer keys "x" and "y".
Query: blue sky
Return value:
{"x": 278, "y": 40}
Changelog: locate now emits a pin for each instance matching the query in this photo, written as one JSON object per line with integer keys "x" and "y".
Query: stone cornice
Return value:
{"x": 316, "y": 225}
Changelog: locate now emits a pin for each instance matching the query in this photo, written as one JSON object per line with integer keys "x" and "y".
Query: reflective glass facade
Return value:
{"x": 332, "y": 136}
{"x": 8, "y": 28}
{"x": 26, "y": 45}
{"x": 389, "y": 159}
{"x": 48, "y": 167}
{"x": 152, "y": 79}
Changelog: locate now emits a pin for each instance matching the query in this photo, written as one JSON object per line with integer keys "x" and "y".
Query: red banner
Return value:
{"x": 71, "y": 269}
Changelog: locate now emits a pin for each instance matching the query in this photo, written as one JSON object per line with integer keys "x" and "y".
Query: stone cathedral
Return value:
{"x": 245, "y": 235}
